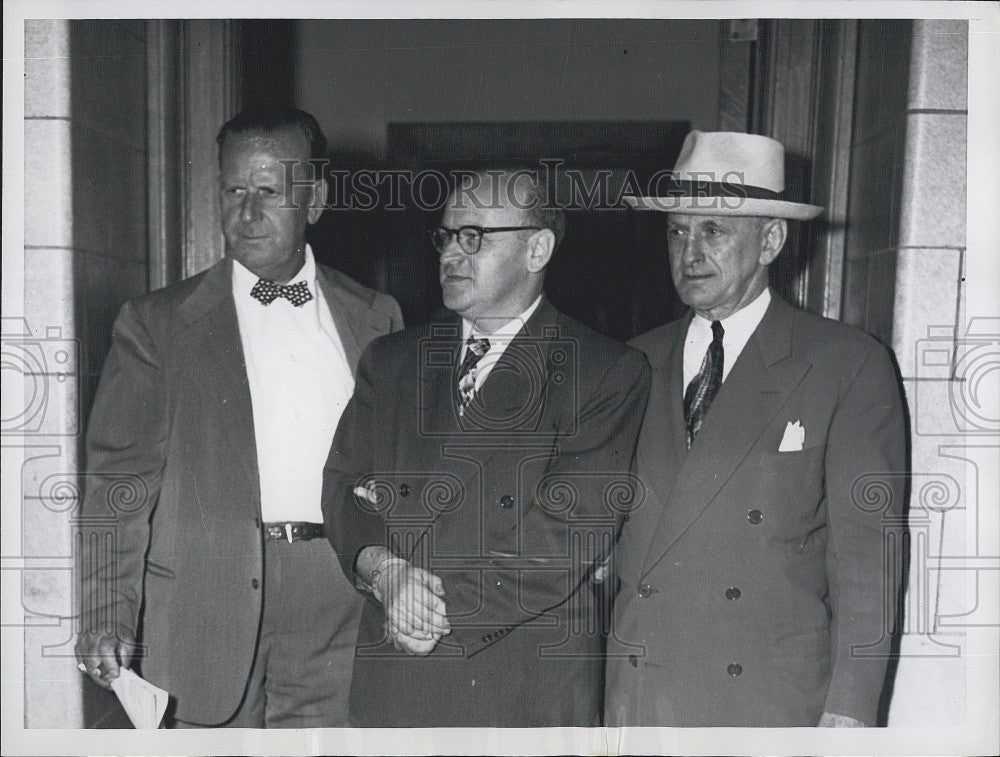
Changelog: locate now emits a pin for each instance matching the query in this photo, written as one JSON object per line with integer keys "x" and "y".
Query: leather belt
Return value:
{"x": 294, "y": 531}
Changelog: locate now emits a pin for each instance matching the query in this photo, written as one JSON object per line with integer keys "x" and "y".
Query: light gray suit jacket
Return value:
{"x": 758, "y": 585}
{"x": 171, "y": 539}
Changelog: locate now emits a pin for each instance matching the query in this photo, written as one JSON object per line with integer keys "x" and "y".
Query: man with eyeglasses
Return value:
{"x": 477, "y": 476}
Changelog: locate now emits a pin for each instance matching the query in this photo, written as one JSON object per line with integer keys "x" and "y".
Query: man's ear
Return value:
{"x": 773, "y": 236}
{"x": 541, "y": 245}
{"x": 318, "y": 204}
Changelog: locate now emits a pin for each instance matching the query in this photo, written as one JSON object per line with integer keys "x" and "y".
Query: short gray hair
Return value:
{"x": 540, "y": 209}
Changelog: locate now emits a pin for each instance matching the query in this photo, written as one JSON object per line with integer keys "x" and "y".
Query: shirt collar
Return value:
{"x": 508, "y": 330}
{"x": 743, "y": 320}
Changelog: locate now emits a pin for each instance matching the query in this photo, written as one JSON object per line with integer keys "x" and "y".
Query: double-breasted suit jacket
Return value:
{"x": 173, "y": 483}
{"x": 758, "y": 585}
{"x": 509, "y": 505}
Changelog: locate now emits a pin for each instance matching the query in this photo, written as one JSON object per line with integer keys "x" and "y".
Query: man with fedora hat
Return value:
{"x": 757, "y": 587}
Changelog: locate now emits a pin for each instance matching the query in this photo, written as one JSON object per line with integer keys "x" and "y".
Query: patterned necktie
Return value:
{"x": 475, "y": 349}
{"x": 267, "y": 292}
{"x": 703, "y": 387}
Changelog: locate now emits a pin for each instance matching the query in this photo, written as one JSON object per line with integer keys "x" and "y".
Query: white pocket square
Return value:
{"x": 794, "y": 438}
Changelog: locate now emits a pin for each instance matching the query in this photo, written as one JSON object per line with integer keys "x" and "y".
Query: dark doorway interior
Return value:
{"x": 610, "y": 271}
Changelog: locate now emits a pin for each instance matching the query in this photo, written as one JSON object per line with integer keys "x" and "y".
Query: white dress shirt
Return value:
{"x": 498, "y": 340}
{"x": 738, "y": 328}
{"x": 300, "y": 382}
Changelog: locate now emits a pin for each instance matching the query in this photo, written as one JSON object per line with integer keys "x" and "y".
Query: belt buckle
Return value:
{"x": 288, "y": 532}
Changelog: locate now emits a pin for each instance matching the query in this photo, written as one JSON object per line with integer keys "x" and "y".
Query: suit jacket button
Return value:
{"x": 506, "y": 502}
{"x": 404, "y": 490}
{"x": 734, "y": 669}
{"x": 755, "y": 516}
{"x": 255, "y": 583}
{"x": 732, "y": 593}
{"x": 633, "y": 661}
{"x": 645, "y": 590}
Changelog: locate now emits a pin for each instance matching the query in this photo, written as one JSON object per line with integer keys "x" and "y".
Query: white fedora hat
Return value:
{"x": 725, "y": 173}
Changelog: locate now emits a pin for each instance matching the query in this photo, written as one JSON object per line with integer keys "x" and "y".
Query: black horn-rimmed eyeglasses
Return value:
{"x": 470, "y": 238}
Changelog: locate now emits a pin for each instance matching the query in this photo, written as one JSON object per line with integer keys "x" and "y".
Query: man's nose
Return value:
{"x": 691, "y": 253}
{"x": 452, "y": 250}
{"x": 250, "y": 208}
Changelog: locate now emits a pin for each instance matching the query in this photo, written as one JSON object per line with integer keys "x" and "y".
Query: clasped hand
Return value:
{"x": 415, "y": 615}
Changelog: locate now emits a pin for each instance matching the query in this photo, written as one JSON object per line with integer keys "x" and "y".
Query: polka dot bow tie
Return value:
{"x": 267, "y": 292}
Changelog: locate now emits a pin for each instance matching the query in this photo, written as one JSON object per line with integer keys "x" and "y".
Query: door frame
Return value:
{"x": 194, "y": 71}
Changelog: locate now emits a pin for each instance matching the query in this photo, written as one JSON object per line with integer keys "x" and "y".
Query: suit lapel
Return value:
{"x": 663, "y": 447}
{"x": 214, "y": 359}
{"x": 434, "y": 374}
{"x": 512, "y": 396}
{"x": 758, "y": 385}
{"x": 352, "y": 316}
{"x": 515, "y": 385}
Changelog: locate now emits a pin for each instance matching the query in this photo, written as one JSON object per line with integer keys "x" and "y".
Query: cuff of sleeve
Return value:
{"x": 380, "y": 569}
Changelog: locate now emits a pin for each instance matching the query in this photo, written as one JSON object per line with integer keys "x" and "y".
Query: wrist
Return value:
{"x": 380, "y": 574}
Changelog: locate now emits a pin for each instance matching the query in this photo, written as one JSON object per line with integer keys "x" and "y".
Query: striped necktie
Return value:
{"x": 476, "y": 347}
{"x": 703, "y": 387}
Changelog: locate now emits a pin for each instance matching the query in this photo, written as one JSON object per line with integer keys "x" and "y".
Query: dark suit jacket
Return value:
{"x": 758, "y": 585}
{"x": 509, "y": 506}
{"x": 172, "y": 482}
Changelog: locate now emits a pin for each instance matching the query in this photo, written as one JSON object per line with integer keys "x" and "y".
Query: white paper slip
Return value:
{"x": 143, "y": 702}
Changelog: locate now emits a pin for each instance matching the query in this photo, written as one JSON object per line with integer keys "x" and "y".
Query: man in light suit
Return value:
{"x": 216, "y": 409}
{"x": 757, "y": 585}
{"x": 477, "y": 475}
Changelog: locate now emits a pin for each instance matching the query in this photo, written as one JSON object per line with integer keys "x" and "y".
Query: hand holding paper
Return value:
{"x": 143, "y": 702}
{"x": 103, "y": 654}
